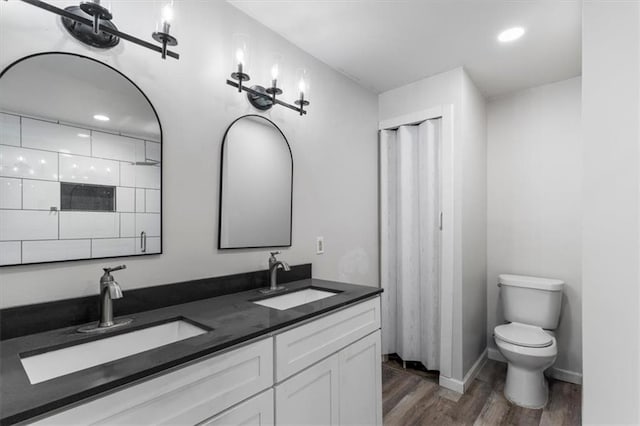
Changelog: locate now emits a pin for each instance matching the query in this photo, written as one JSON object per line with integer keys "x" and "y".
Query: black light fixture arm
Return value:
{"x": 165, "y": 38}
{"x": 302, "y": 102}
{"x": 242, "y": 88}
{"x": 102, "y": 27}
{"x": 240, "y": 76}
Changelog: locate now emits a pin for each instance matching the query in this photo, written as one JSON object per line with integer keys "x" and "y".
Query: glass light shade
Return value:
{"x": 240, "y": 51}
{"x": 303, "y": 83}
{"x": 166, "y": 16}
{"x": 167, "y": 13}
{"x": 276, "y": 70}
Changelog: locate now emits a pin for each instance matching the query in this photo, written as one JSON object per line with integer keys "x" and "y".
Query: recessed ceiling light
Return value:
{"x": 101, "y": 117}
{"x": 84, "y": 135}
{"x": 511, "y": 34}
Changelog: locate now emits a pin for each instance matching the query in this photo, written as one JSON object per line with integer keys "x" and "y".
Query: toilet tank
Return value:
{"x": 531, "y": 300}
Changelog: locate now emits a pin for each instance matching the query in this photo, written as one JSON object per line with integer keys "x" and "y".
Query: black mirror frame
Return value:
{"x": 224, "y": 140}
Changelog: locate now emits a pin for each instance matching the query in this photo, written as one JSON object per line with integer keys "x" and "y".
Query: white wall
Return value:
{"x": 455, "y": 88}
{"x": 474, "y": 223}
{"x": 534, "y": 201}
{"x": 334, "y": 149}
{"x": 611, "y": 212}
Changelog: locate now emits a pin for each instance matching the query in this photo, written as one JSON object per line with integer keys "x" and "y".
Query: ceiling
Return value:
{"x": 71, "y": 89}
{"x": 384, "y": 44}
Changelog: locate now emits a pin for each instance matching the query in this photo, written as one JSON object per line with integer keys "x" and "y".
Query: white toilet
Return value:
{"x": 532, "y": 306}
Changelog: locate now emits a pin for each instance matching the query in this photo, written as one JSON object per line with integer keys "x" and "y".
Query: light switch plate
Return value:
{"x": 319, "y": 245}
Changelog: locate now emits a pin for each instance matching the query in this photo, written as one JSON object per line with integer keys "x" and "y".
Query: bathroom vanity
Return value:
{"x": 309, "y": 354}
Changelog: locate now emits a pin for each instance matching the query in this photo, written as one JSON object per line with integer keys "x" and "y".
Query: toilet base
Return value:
{"x": 526, "y": 388}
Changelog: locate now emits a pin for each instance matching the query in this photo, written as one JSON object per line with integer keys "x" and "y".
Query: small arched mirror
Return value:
{"x": 256, "y": 183}
{"x": 80, "y": 162}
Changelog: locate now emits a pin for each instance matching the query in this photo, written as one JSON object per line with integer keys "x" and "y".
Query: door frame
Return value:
{"x": 449, "y": 225}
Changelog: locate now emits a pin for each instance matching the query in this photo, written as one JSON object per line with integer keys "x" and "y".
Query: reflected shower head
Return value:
{"x": 146, "y": 163}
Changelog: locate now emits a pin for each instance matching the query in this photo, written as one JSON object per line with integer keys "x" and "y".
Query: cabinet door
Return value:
{"x": 257, "y": 411}
{"x": 310, "y": 397}
{"x": 361, "y": 382}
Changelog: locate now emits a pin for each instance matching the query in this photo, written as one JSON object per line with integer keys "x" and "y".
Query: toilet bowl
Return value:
{"x": 532, "y": 305}
{"x": 528, "y": 356}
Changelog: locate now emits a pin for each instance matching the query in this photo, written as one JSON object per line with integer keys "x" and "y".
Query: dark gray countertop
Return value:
{"x": 233, "y": 318}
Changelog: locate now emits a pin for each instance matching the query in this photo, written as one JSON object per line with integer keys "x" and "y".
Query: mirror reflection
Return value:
{"x": 256, "y": 185}
{"x": 80, "y": 162}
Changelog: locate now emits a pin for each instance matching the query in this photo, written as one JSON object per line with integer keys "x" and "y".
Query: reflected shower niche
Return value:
{"x": 81, "y": 177}
{"x": 74, "y": 196}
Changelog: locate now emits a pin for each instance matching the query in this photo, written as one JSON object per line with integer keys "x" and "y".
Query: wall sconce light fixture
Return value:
{"x": 90, "y": 23}
{"x": 260, "y": 97}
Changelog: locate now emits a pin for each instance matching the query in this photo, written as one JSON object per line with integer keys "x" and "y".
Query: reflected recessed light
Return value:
{"x": 101, "y": 117}
{"x": 511, "y": 34}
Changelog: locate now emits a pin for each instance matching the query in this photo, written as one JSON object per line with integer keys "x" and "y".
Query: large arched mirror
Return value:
{"x": 256, "y": 182}
{"x": 80, "y": 162}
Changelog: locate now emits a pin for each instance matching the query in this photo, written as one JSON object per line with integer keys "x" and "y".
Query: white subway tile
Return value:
{"x": 140, "y": 150}
{"x": 97, "y": 171}
{"x": 153, "y": 151}
{"x": 49, "y": 251}
{"x": 140, "y": 200}
{"x": 28, "y": 225}
{"x": 48, "y": 136}
{"x": 28, "y": 163}
{"x": 153, "y": 246}
{"x": 152, "y": 201}
{"x": 125, "y": 199}
{"x": 40, "y": 194}
{"x": 127, "y": 225}
{"x": 148, "y": 177}
{"x": 113, "y": 247}
{"x": 149, "y": 223}
{"x": 9, "y": 129}
{"x": 75, "y": 225}
{"x": 10, "y": 193}
{"x": 10, "y": 253}
{"x": 127, "y": 174}
{"x": 114, "y": 147}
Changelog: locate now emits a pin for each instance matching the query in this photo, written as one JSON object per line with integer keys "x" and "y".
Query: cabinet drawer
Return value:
{"x": 302, "y": 346}
{"x": 185, "y": 396}
{"x": 257, "y": 411}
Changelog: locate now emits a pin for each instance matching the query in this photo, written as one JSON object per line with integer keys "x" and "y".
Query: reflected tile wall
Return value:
{"x": 36, "y": 155}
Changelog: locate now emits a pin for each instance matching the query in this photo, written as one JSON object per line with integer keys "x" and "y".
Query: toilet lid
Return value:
{"x": 523, "y": 335}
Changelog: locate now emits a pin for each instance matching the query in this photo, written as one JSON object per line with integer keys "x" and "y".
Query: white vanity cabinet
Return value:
{"x": 326, "y": 371}
{"x": 344, "y": 388}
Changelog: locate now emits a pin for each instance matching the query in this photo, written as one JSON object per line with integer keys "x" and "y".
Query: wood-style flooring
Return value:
{"x": 413, "y": 397}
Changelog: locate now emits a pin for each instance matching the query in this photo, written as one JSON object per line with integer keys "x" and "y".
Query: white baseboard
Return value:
{"x": 461, "y": 386}
{"x": 555, "y": 372}
{"x": 451, "y": 384}
{"x": 495, "y": 355}
{"x": 566, "y": 375}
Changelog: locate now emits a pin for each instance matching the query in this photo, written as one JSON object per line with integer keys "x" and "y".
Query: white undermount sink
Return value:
{"x": 56, "y": 363}
{"x": 297, "y": 298}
